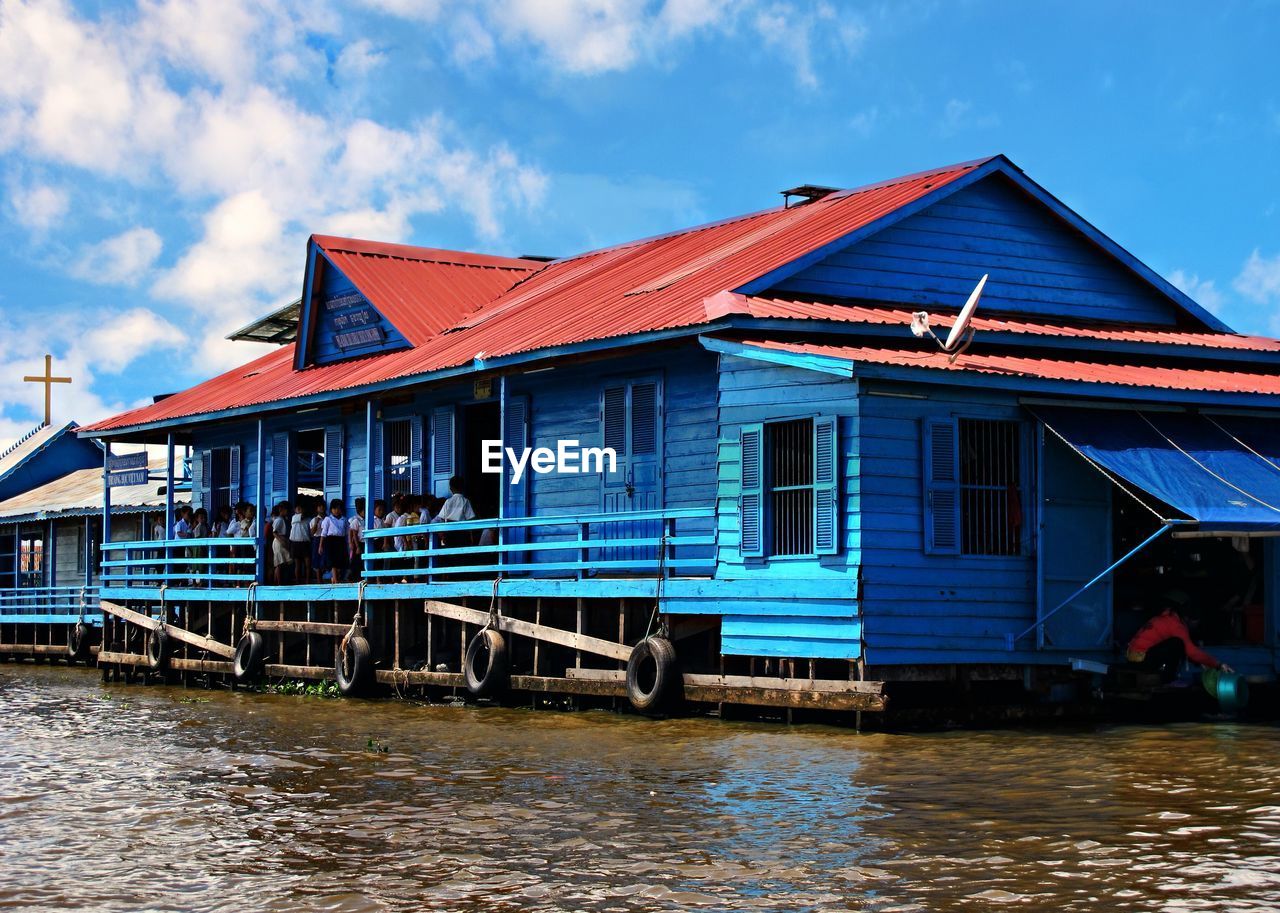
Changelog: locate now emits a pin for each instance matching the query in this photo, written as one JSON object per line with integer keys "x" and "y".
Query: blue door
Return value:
{"x": 1074, "y": 546}
{"x": 631, "y": 424}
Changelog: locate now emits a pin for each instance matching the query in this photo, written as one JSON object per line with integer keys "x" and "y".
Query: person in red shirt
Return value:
{"x": 1164, "y": 641}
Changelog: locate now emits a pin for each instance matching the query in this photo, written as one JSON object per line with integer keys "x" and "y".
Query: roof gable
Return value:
{"x": 366, "y": 298}
{"x": 1043, "y": 259}
{"x": 338, "y": 320}
{"x": 44, "y": 453}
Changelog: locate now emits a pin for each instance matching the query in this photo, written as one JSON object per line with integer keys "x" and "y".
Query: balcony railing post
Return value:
{"x": 584, "y": 553}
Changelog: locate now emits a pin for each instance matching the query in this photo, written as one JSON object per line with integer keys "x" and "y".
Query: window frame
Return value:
{"x": 1027, "y": 469}
{"x": 824, "y": 441}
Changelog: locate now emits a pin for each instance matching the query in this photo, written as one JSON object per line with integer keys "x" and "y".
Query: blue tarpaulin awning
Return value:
{"x": 1222, "y": 472}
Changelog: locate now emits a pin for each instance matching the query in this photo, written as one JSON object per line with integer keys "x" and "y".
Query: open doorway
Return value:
{"x": 309, "y": 468}
{"x": 1222, "y": 578}
{"x": 481, "y": 422}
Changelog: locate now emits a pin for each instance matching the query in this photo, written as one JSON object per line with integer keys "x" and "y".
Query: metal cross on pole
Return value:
{"x": 48, "y": 380}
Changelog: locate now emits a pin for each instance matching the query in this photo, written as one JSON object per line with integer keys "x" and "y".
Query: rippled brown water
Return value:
{"x": 131, "y": 798}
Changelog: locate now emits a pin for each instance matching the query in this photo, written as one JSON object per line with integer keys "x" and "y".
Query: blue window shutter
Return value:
{"x": 515, "y": 435}
{"x": 826, "y": 491}
{"x": 377, "y": 464}
{"x": 415, "y": 455}
{"x": 614, "y": 418}
{"x": 751, "y": 500}
{"x": 333, "y": 456}
{"x": 941, "y": 487}
{"x": 280, "y": 466}
{"x": 442, "y": 443}
{"x": 644, "y": 417}
{"x": 233, "y": 473}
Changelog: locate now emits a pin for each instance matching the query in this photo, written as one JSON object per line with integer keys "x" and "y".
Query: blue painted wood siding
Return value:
{"x": 565, "y": 404}
{"x": 931, "y": 608}
{"x": 1038, "y": 265}
{"x": 815, "y": 611}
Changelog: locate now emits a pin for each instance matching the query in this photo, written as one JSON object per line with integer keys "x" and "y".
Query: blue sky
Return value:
{"x": 162, "y": 163}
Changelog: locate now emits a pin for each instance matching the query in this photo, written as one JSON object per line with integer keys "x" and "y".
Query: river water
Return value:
{"x": 132, "y": 798}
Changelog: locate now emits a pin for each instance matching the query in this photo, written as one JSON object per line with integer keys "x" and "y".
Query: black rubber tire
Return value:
{"x": 250, "y": 658}
{"x": 487, "y": 664}
{"x": 79, "y": 640}
{"x": 158, "y": 649}
{"x": 354, "y": 667}
{"x": 653, "y": 675}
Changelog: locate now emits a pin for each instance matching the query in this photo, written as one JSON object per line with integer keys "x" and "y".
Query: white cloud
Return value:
{"x": 1259, "y": 279}
{"x": 38, "y": 206}
{"x": 358, "y": 59}
{"x": 794, "y": 31}
{"x": 83, "y": 350}
{"x": 189, "y": 99}
{"x": 121, "y": 260}
{"x": 1201, "y": 291}
{"x": 588, "y": 37}
{"x": 959, "y": 115}
{"x": 117, "y": 342}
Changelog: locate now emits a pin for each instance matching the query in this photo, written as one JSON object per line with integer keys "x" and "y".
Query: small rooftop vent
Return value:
{"x": 539, "y": 258}
{"x": 805, "y": 193}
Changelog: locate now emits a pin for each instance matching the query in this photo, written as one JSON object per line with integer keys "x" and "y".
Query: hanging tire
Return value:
{"x": 251, "y": 656}
{"x": 79, "y": 640}
{"x": 487, "y": 665}
{"x": 354, "y": 668}
{"x": 158, "y": 649}
{"x": 653, "y": 677}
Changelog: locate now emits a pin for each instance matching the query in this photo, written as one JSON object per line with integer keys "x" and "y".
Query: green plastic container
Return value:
{"x": 1229, "y": 689}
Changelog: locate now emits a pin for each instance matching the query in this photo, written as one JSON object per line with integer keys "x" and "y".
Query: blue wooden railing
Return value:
{"x": 180, "y": 563}
{"x": 673, "y": 542}
{"x": 49, "y": 604}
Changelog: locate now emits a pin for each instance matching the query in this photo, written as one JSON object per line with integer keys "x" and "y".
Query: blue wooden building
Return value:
{"x": 51, "y": 525}
{"x": 808, "y": 501}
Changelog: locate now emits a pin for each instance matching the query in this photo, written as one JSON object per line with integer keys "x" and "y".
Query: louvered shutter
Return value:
{"x": 442, "y": 445}
{"x": 644, "y": 418}
{"x": 416, "y": 474}
{"x": 826, "y": 477}
{"x": 233, "y": 472}
{"x": 751, "y": 500}
{"x": 333, "y": 459}
{"x": 280, "y": 466}
{"x": 941, "y": 487}
{"x": 377, "y": 465}
{"x": 515, "y": 436}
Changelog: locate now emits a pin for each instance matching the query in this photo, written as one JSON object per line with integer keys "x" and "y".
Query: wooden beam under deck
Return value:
{"x": 820, "y": 694}
{"x": 568, "y": 639}
{"x": 177, "y": 633}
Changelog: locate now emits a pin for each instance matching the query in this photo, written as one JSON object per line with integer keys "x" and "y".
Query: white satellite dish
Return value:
{"x": 961, "y": 335}
{"x": 961, "y": 326}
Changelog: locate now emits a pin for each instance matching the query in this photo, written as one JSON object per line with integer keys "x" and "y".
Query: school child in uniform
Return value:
{"x": 335, "y": 530}
{"x": 356, "y": 534}
{"x": 281, "y": 556}
{"x": 300, "y": 544}
{"x": 317, "y": 553}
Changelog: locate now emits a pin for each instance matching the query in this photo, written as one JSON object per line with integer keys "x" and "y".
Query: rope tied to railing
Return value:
{"x": 357, "y": 622}
{"x": 84, "y": 598}
{"x": 250, "y": 603}
{"x": 657, "y": 597}
{"x": 493, "y": 606}
{"x": 164, "y": 612}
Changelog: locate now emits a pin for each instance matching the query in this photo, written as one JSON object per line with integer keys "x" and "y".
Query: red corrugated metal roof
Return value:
{"x": 596, "y": 295}
{"x": 1131, "y": 375}
{"x": 854, "y": 313}
{"x": 421, "y": 290}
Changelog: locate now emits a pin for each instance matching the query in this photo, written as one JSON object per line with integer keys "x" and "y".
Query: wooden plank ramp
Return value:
{"x": 145, "y": 621}
{"x": 529, "y": 629}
